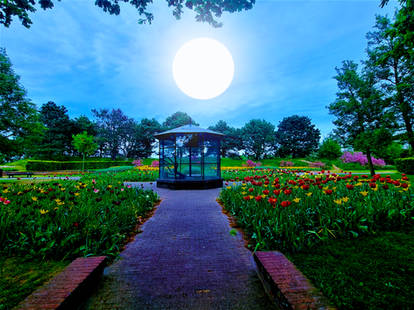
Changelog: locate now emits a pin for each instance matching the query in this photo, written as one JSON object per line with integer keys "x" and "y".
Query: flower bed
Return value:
{"x": 70, "y": 218}
{"x": 290, "y": 212}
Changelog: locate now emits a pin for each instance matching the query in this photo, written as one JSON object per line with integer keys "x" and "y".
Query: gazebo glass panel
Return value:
{"x": 167, "y": 159}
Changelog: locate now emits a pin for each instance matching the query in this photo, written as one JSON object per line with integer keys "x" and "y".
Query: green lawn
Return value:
{"x": 373, "y": 272}
{"x": 19, "y": 277}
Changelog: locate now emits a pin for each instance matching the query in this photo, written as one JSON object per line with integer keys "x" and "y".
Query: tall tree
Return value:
{"x": 83, "y": 123}
{"x": 178, "y": 119}
{"x": 232, "y": 140}
{"x": 258, "y": 138}
{"x": 363, "y": 120}
{"x": 20, "y": 128}
{"x": 57, "y": 140}
{"x": 296, "y": 136}
{"x": 141, "y": 138}
{"x": 113, "y": 129}
{"x": 206, "y": 10}
{"x": 394, "y": 69}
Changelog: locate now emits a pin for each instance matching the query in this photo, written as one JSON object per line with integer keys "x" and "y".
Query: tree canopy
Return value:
{"x": 258, "y": 138}
{"x": 296, "y": 136}
{"x": 206, "y": 10}
{"x": 362, "y": 115}
{"x": 20, "y": 128}
{"x": 178, "y": 119}
{"x": 231, "y": 142}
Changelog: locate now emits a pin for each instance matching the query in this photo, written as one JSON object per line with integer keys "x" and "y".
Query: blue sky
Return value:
{"x": 285, "y": 53}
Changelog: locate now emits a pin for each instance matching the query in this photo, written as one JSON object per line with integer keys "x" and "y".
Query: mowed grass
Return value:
{"x": 373, "y": 272}
{"x": 19, "y": 277}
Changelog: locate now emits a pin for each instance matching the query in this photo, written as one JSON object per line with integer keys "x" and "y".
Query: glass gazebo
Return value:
{"x": 189, "y": 158}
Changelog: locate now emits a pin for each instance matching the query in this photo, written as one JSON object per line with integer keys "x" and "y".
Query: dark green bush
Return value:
{"x": 405, "y": 165}
{"x": 48, "y": 165}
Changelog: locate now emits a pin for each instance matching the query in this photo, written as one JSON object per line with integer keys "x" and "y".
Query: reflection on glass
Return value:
{"x": 190, "y": 156}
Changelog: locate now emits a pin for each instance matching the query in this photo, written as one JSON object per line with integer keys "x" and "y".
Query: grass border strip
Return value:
{"x": 286, "y": 286}
{"x": 68, "y": 288}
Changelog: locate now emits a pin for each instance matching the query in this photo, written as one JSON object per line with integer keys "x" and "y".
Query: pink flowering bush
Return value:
{"x": 286, "y": 163}
{"x": 251, "y": 163}
{"x": 317, "y": 164}
{"x": 137, "y": 162}
{"x": 361, "y": 158}
{"x": 155, "y": 163}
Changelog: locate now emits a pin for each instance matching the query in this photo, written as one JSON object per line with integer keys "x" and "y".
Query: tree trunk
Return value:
{"x": 370, "y": 164}
{"x": 409, "y": 128}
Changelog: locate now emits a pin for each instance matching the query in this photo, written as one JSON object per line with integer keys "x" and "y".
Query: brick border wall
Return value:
{"x": 286, "y": 285}
{"x": 68, "y": 288}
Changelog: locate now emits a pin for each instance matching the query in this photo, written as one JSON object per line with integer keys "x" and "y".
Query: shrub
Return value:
{"x": 360, "y": 158}
{"x": 43, "y": 165}
{"x": 405, "y": 165}
{"x": 155, "y": 163}
{"x": 329, "y": 149}
{"x": 286, "y": 163}
{"x": 317, "y": 164}
{"x": 137, "y": 162}
{"x": 251, "y": 163}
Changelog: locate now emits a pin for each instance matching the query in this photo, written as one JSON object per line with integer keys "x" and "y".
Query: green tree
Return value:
{"x": 394, "y": 71}
{"x": 114, "y": 130}
{"x": 206, "y": 10}
{"x": 83, "y": 123}
{"x": 296, "y": 136}
{"x": 363, "y": 119}
{"x": 20, "y": 128}
{"x": 178, "y": 119}
{"x": 329, "y": 149}
{"x": 231, "y": 142}
{"x": 85, "y": 145}
{"x": 57, "y": 140}
{"x": 258, "y": 138}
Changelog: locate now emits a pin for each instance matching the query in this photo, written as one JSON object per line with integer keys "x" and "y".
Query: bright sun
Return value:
{"x": 203, "y": 68}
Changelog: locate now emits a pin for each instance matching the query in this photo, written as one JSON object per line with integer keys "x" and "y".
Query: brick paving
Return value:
{"x": 185, "y": 258}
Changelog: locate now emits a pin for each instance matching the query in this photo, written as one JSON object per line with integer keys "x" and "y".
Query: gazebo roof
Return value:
{"x": 187, "y": 129}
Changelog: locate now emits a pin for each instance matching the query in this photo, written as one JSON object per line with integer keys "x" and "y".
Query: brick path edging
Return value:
{"x": 66, "y": 289}
{"x": 286, "y": 285}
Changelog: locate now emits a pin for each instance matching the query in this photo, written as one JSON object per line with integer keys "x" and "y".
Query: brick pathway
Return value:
{"x": 185, "y": 258}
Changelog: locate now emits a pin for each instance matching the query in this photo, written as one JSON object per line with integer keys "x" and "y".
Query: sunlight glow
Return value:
{"x": 203, "y": 68}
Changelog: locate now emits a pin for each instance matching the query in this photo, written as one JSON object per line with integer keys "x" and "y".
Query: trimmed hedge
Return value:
{"x": 48, "y": 165}
{"x": 405, "y": 165}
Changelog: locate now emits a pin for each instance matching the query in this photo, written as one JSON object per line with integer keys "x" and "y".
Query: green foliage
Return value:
{"x": 405, "y": 165}
{"x": 114, "y": 131}
{"x": 362, "y": 118}
{"x": 391, "y": 152}
{"x": 373, "y": 272}
{"x": 391, "y": 60}
{"x": 57, "y": 139}
{"x": 70, "y": 219}
{"x": 21, "y": 276}
{"x": 329, "y": 149}
{"x": 206, "y": 11}
{"x": 296, "y": 136}
{"x": 20, "y": 128}
{"x": 130, "y": 175}
{"x": 143, "y": 140}
{"x": 232, "y": 141}
{"x": 258, "y": 138}
{"x": 49, "y": 165}
{"x": 178, "y": 119}
{"x": 84, "y": 143}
